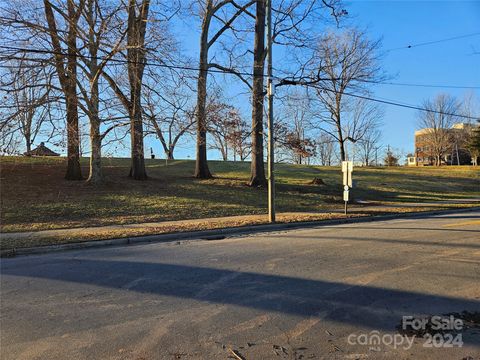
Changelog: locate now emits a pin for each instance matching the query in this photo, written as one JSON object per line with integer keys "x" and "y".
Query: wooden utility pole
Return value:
{"x": 271, "y": 93}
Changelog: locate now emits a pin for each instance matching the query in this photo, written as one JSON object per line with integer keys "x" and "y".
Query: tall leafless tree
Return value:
{"x": 169, "y": 109}
{"x": 348, "y": 61}
{"x": 290, "y": 29}
{"x": 98, "y": 21}
{"x": 66, "y": 66}
{"x": 141, "y": 39}
{"x": 136, "y": 31}
{"x": 210, "y": 10}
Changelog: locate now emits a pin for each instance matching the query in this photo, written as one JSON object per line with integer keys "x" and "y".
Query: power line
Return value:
{"x": 191, "y": 68}
{"x": 312, "y": 84}
{"x": 422, "y": 85}
{"x": 434, "y": 42}
{"x": 120, "y": 61}
{"x": 394, "y": 103}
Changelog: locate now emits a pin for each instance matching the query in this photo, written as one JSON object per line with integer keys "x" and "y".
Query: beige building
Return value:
{"x": 455, "y": 154}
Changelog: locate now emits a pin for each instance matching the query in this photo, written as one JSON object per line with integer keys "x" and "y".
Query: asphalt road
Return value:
{"x": 297, "y": 294}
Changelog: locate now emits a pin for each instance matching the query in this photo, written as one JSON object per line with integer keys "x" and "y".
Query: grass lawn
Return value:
{"x": 34, "y": 195}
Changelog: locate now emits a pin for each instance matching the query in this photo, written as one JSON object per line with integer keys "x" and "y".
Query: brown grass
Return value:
{"x": 34, "y": 195}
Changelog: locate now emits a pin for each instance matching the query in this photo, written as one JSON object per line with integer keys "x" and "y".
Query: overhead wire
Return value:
{"x": 236, "y": 72}
{"x": 434, "y": 42}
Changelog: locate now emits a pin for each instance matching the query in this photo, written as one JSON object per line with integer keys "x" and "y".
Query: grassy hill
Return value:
{"x": 35, "y": 196}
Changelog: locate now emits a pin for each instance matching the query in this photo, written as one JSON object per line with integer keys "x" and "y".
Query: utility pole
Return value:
{"x": 270, "y": 92}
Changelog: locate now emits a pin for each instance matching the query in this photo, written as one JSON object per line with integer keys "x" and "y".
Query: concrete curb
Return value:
{"x": 221, "y": 233}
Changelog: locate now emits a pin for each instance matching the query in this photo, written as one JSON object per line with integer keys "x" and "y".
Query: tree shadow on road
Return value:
{"x": 361, "y": 305}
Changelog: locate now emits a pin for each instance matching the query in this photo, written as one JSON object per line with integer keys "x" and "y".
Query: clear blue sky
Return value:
{"x": 399, "y": 24}
{"x": 403, "y": 23}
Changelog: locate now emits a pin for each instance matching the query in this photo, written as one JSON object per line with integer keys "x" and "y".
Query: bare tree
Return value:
{"x": 325, "y": 149}
{"x": 362, "y": 121}
{"x": 136, "y": 30}
{"x": 297, "y": 117}
{"x": 141, "y": 39}
{"x": 27, "y": 101}
{"x": 72, "y": 35}
{"x": 289, "y": 16}
{"x": 348, "y": 61}
{"x": 66, "y": 67}
{"x": 99, "y": 22}
{"x": 210, "y": 10}
{"x": 436, "y": 123}
{"x": 368, "y": 145}
{"x": 169, "y": 110}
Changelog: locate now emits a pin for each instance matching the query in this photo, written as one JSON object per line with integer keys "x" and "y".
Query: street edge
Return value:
{"x": 220, "y": 233}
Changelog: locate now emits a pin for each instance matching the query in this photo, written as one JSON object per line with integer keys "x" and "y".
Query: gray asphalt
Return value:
{"x": 296, "y": 294}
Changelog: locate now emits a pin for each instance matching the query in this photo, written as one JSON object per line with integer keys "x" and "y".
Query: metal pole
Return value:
{"x": 270, "y": 91}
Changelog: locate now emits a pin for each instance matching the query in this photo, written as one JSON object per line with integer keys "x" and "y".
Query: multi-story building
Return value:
{"x": 455, "y": 152}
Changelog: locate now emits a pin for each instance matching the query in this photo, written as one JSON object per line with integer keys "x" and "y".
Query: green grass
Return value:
{"x": 35, "y": 196}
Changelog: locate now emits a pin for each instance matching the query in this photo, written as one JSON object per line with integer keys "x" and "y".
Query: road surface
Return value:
{"x": 299, "y": 294}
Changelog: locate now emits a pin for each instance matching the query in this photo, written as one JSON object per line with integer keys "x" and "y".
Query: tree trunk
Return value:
{"x": 137, "y": 169}
{"x": 341, "y": 144}
{"x": 95, "y": 172}
{"x": 67, "y": 74}
{"x": 95, "y": 176}
{"x": 28, "y": 143}
{"x": 74, "y": 171}
{"x": 136, "y": 56}
{"x": 201, "y": 166}
{"x": 257, "y": 171}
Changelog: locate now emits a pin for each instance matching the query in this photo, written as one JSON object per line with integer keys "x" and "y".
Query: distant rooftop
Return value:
{"x": 41, "y": 150}
{"x": 458, "y": 126}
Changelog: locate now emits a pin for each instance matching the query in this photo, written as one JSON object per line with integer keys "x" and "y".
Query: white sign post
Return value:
{"x": 347, "y": 169}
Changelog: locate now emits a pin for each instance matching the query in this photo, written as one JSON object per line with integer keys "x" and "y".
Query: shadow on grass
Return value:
{"x": 39, "y": 194}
